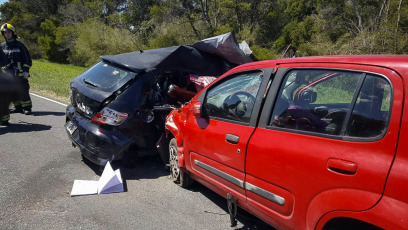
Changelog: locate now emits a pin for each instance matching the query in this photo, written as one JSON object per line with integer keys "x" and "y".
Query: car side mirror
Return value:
{"x": 196, "y": 109}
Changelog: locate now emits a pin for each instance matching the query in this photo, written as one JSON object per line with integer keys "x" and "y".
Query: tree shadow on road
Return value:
{"x": 23, "y": 127}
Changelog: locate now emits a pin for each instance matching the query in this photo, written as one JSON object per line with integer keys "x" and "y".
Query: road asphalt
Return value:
{"x": 38, "y": 166}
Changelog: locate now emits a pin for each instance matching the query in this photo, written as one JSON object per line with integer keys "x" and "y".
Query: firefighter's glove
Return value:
{"x": 26, "y": 75}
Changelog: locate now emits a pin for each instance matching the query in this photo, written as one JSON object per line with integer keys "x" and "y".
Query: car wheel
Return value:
{"x": 176, "y": 174}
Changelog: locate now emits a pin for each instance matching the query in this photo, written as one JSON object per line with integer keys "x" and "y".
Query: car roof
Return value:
{"x": 398, "y": 63}
{"x": 206, "y": 57}
{"x": 176, "y": 58}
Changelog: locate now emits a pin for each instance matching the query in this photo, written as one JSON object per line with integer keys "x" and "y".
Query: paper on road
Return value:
{"x": 110, "y": 182}
{"x": 84, "y": 187}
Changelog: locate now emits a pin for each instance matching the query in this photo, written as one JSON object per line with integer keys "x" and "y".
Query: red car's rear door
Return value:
{"x": 334, "y": 154}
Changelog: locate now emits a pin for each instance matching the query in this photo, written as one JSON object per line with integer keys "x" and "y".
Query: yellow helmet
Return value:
{"x": 7, "y": 26}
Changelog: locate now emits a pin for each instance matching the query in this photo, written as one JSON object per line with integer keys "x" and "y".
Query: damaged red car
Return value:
{"x": 302, "y": 143}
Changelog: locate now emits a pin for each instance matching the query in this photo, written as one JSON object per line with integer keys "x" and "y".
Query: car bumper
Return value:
{"x": 96, "y": 143}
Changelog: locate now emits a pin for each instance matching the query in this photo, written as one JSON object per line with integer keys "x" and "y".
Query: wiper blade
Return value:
{"x": 91, "y": 83}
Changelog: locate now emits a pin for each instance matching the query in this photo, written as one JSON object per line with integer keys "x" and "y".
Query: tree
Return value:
{"x": 300, "y": 28}
{"x": 52, "y": 51}
{"x": 78, "y": 31}
{"x": 95, "y": 39}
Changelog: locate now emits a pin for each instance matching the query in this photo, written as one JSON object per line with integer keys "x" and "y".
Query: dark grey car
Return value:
{"x": 119, "y": 105}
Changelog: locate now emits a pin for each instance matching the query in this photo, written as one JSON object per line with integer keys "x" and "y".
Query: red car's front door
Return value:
{"x": 216, "y": 144}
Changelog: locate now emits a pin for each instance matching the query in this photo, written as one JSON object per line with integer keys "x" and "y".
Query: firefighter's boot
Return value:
{"x": 17, "y": 109}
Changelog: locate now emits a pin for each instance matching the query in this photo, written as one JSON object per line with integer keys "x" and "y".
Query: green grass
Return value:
{"x": 52, "y": 80}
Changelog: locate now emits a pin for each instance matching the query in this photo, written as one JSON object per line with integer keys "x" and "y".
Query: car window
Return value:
{"x": 234, "y": 98}
{"x": 372, "y": 110}
{"x": 322, "y": 101}
{"x": 106, "y": 77}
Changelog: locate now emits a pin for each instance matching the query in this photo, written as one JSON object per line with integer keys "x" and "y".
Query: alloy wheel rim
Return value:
{"x": 174, "y": 168}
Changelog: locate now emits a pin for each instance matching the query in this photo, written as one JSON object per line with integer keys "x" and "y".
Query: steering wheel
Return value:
{"x": 240, "y": 103}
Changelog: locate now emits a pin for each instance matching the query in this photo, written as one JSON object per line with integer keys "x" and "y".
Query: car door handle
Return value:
{"x": 342, "y": 166}
{"x": 233, "y": 139}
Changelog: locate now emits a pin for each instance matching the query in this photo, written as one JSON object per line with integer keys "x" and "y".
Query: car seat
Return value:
{"x": 366, "y": 120}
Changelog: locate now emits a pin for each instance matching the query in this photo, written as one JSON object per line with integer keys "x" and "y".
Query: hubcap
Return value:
{"x": 174, "y": 168}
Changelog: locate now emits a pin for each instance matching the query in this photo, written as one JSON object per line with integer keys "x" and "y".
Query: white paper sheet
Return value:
{"x": 110, "y": 182}
{"x": 84, "y": 187}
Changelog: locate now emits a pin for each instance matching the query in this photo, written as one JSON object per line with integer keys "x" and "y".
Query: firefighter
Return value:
{"x": 18, "y": 65}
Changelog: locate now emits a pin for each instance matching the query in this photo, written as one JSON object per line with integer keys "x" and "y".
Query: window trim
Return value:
{"x": 274, "y": 91}
{"x": 266, "y": 75}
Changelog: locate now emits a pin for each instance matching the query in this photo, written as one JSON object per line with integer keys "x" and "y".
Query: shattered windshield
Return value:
{"x": 106, "y": 77}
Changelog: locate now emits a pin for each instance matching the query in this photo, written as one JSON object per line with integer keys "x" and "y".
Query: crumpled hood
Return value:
{"x": 176, "y": 58}
{"x": 212, "y": 56}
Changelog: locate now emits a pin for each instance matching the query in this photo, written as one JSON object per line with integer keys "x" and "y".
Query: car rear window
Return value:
{"x": 106, "y": 77}
{"x": 334, "y": 102}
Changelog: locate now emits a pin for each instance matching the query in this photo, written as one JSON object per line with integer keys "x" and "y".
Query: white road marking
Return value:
{"x": 48, "y": 99}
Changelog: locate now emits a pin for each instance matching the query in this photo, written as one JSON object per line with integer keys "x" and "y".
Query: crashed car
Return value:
{"x": 119, "y": 105}
{"x": 302, "y": 143}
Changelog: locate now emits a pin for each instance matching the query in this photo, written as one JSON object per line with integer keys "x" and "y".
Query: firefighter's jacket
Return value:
{"x": 18, "y": 57}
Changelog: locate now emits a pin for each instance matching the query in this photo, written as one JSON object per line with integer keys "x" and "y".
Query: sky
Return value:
{"x": 3, "y": 1}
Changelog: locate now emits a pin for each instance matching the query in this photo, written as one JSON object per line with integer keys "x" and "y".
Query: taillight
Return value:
{"x": 110, "y": 117}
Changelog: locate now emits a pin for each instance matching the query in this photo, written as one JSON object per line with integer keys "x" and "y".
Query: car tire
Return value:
{"x": 176, "y": 174}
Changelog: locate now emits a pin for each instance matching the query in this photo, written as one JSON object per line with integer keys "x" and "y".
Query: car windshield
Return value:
{"x": 106, "y": 77}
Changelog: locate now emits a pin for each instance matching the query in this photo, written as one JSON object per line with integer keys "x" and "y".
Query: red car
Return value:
{"x": 302, "y": 143}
